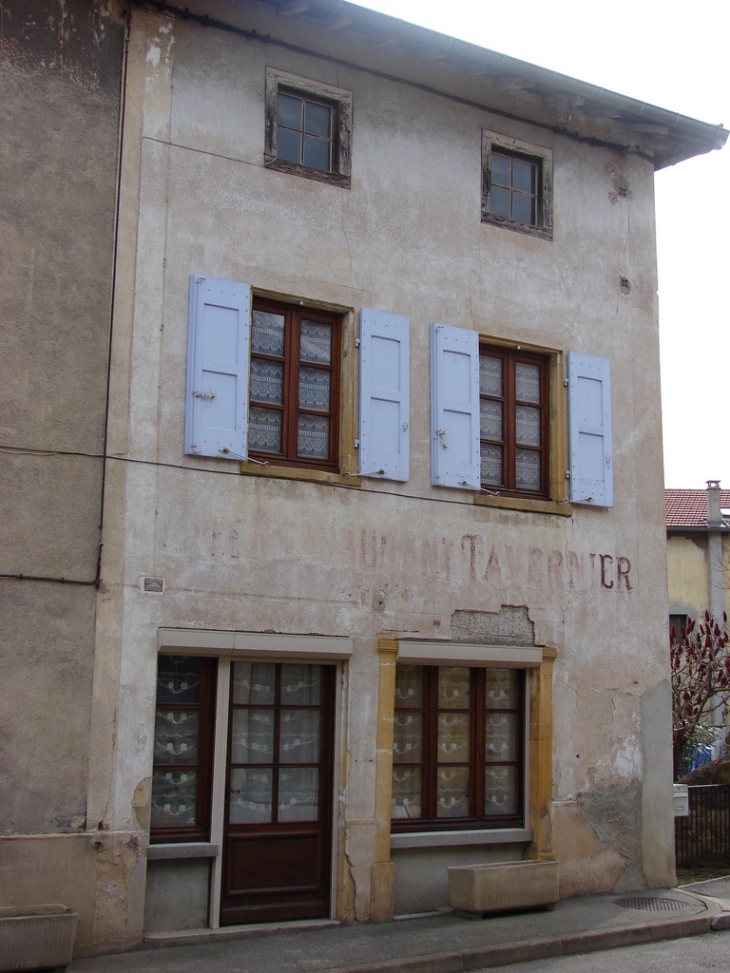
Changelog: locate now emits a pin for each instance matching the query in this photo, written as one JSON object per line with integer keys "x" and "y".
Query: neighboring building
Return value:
{"x": 379, "y": 595}
{"x": 60, "y": 77}
{"x": 698, "y": 553}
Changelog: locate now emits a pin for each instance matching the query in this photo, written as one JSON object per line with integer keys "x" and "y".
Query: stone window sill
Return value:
{"x": 559, "y": 508}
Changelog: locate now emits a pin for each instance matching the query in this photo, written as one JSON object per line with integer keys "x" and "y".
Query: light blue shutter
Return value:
{"x": 216, "y": 414}
{"x": 455, "y": 458}
{"x": 384, "y": 395}
{"x": 591, "y": 460}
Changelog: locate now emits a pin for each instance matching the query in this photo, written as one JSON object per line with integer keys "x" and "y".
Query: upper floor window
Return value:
{"x": 513, "y": 420}
{"x": 308, "y": 128}
{"x": 516, "y": 185}
{"x": 294, "y": 392}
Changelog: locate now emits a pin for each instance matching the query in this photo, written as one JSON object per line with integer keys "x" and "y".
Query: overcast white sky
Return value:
{"x": 675, "y": 56}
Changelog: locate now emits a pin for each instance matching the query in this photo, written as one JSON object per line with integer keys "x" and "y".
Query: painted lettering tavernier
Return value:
{"x": 384, "y": 620}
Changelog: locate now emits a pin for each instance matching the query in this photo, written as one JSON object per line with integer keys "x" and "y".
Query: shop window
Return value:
{"x": 181, "y": 775}
{"x": 458, "y": 750}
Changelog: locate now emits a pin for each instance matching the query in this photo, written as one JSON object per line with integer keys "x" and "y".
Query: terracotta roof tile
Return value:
{"x": 688, "y": 508}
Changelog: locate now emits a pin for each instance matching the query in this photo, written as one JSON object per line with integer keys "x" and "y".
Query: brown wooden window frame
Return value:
{"x": 510, "y": 357}
{"x": 337, "y": 99}
{"x": 290, "y": 408}
{"x": 200, "y": 831}
{"x": 542, "y": 159}
{"x": 429, "y": 821}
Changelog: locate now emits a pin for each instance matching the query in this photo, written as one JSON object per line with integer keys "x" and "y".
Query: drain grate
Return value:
{"x": 652, "y": 903}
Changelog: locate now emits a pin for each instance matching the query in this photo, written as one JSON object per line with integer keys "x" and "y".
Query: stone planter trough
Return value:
{"x": 36, "y": 937}
{"x": 503, "y": 887}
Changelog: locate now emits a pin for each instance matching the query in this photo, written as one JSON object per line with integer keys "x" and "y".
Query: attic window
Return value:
{"x": 517, "y": 185}
{"x": 308, "y": 128}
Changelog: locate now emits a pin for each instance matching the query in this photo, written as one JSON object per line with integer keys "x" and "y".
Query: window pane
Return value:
{"x": 527, "y": 382}
{"x": 289, "y": 146}
{"x": 500, "y": 200}
{"x": 523, "y": 175}
{"x": 178, "y": 679}
{"x": 177, "y": 733}
{"x": 301, "y": 685}
{"x": 500, "y": 170}
{"x": 289, "y": 111}
{"x": 408, "y": 685}
{"x": 267, "y": 333}
{"x": 314, "y": 389}
{"x": 254, "y": 682}
{"x": 500, "y": 736}
{"x": 313, "y": 441}
{"x": 492, "y": 464}
{"x": 454, "y": 738}
{"x": 252, "y": 736}
{"x": 528, "y": 469}
{"x": 454, "y": 687}
{"x": 316, "y": 153}
{"x": 299, "y": 736}
{"x": 408, "y": 738}
{"x": 264, "y": 430}
{"x": 523, "y": 208}
{"x": 527, "y": 425}
{"x": 406, "y": 799}
{"x": 317, "y": 119}
{"x": 502, "y": 687}
{"x": 490, "y": 419}
{"x": 298, "y": 794}
{"x": 174, "y": 797}
{"x": 316, "y": 342}
{"x": 250, "y": 795}
{"x": 490, "y": 375}
{"x": 267, "y": 381}
{"x": 500, "y": 790}
{"x": 452, "y": 792}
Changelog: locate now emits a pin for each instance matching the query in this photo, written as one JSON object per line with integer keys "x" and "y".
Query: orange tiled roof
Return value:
{"x": 688, "y": 508}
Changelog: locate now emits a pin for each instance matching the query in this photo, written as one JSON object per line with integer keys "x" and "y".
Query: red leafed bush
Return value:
{"x": 700, "y": 681}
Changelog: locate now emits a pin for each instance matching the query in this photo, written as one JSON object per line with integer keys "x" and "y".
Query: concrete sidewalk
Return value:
{"x": 441, "y": 943}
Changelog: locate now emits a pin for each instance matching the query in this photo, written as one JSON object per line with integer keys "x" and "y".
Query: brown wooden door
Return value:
{"x": 277, "y": 842}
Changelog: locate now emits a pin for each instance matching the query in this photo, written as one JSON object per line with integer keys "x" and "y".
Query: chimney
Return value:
{"x": 714, "y": 513}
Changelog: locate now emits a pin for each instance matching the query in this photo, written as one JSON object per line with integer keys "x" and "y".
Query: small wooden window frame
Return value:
{"x": 200, "y": 831}
{"x": 291, "y": 410}
{"x": 510, "y": 357}
{"x": 538, "y": 155}
{"x": 338, "y": 99}
{"x": 429, "y": 764}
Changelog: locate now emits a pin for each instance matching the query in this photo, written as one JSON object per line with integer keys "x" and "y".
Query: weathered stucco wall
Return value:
{"x": 688, "y": 575}
{"x": 261, "y": 554}
{"x": 60, "y": 76}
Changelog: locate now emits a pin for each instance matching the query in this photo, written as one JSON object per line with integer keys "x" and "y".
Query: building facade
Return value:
{"x": 698, "y": 553}
{"x": 380, "y": 593}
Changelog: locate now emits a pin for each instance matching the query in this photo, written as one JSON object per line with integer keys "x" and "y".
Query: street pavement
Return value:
{"x": 442, "y": 943}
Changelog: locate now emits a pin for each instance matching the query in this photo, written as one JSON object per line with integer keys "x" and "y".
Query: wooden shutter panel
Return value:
{"x": 591, "y": 460}
{"x": 384, "y": 395}
{"x": 216, "y": 415}
{"x": 455, "y": 407}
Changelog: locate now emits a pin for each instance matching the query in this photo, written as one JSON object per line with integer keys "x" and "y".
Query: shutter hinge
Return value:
{"x": 565, "y": 382}
{"x": 199, "y": 280}
{"x": 567, "y": 474}
{"x": 357, "y": 444}
{"x": 357, "y": 342}
{"x": 204, "y": 395}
